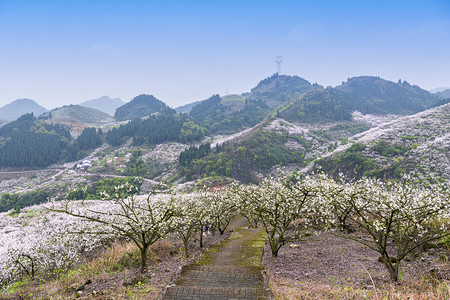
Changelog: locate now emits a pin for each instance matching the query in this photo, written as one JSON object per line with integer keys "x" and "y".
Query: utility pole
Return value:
{"x": 279, "y": 61}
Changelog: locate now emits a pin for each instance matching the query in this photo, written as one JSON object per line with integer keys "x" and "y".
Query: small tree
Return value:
{"x": 143, "y": 220}
{"x": 277, "y": 204}
{"x": 222, "y": 208}
{"x": 190, "y": 214}
{"x": 397, "y": 216}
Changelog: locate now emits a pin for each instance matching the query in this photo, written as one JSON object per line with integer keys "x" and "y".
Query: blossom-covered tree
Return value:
{"x": 277, "y": 203}
{"x": 398, "y": 217}
{"x": 143, "y": 220}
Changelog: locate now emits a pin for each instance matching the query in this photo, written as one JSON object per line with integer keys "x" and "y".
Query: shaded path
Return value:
{"x": 231, "y": 270}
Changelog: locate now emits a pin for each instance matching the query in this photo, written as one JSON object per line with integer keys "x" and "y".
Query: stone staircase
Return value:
{"x": 231, "y": 270}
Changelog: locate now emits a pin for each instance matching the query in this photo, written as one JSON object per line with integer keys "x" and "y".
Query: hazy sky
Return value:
{"x": 62, "y": 52}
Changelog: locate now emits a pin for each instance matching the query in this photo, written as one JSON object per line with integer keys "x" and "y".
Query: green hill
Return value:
{"x": 79, "y": 114}
{"x": 229, "y": 114}
{"x": 29, "y": 142}
{"x": 374, "y": 95}
{"x": 278, "y": 89}
{"x": 369, "y": 95}
{"x": 140, "y": 106}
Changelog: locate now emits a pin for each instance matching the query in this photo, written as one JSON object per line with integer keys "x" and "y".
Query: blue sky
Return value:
{"x": 62, "y": 52}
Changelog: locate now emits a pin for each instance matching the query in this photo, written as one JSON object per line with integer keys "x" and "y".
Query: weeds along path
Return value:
{"x": 230, "y": 270}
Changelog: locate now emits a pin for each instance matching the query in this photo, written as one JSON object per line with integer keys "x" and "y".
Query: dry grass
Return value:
{"x": 110, "y": 273}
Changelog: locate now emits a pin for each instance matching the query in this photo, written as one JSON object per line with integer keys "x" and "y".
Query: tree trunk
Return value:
{"x": 144, "y": 251}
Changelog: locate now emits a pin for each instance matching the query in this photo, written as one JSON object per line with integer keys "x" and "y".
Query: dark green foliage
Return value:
{"x": 374, "y": 95}
{"x": 193, "y": 153}
{"x": 351, "y": 163}
{"x": 28, "y": 142}
{"x": 267, "y": 150}
{"x": 107, "y": 185}
{"x": 135, "y": 166}
{"x": 369, "y": 95}
{"x": 260, "y": 151}
{"x": 218, "y": 118}
{"x": 279, "y": 89}
{"x": 386, "y": 149}
{"x": 156, "y": 129}
{"x": 90, "y": 138}
{"x": 317, "y": 106}
{"x": 141, "y": 106}
{"x": 19, "y": 201}
{"x": 191, "y": 132}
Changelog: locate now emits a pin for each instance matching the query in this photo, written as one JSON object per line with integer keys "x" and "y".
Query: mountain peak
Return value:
{"x": 141, "y": 106}
{"x": 19, "y": 107}
{"x": 105, "y": 104}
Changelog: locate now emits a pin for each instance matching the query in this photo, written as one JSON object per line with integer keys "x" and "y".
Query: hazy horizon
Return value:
{"x": 59, "y": 54}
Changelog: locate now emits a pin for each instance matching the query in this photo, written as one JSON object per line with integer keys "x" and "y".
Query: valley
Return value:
{"x": 366, "y": 130}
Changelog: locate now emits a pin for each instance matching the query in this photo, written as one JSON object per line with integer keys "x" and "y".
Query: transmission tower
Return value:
{"x": 279, "y": 61}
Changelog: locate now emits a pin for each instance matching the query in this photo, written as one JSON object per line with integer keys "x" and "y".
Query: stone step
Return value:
{"x": 223, "y": 269}
{"x": 214, "y": 293}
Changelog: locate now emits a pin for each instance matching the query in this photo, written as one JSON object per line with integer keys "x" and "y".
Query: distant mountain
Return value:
{"x": 369, "y": 95}
{"x": 444, "y": 94}
{"x": 279, "y": 89}
{"x": 104, "y": 104}
{"x": 79, "y": 114}
{"x": 140, "y": 106}
{"x": 187, "y": 107}
{"x": 20, "y": 107}
{"x": 439, "y": 89}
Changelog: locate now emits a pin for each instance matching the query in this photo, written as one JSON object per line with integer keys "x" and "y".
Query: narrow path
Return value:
{"x": 231, "y": 270}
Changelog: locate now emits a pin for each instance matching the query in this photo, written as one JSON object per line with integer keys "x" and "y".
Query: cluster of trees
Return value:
{"x": 28, "y": 142}
{"x": 261, "y": 151}
{"x": 90, "y": 138}
{"x": 155, "y": 129}
{"x": 135, "y": 166}
{"x": 218, "y": 118}
{"x": 141, "y": 106}
{"x": 193, "y": 153}
{"x": 18, "y": 201}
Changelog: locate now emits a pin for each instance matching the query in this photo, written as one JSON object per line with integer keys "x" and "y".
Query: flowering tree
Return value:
{"x": 190, "y": 213}
{"x": 277, "y": 204}
{"x": 143, "y": 220}
{"x": 398, "y": 217}
{"x": 222, "y": 208}
{"x": 37, "y": 243}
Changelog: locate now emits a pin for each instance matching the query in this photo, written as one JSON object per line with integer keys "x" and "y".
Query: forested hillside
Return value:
{"x": 29, "y": 142}
{"x": 220, "y": 117}
{"x": 141, "y": 106}
{"x": 368, "y": 95}
{"x": 278, "y": 89}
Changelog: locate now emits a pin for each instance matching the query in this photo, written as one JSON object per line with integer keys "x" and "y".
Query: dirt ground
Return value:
{"x": 332, "y": 261}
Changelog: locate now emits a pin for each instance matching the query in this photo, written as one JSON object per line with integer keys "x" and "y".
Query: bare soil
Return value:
{"x": 331, "y": 261}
